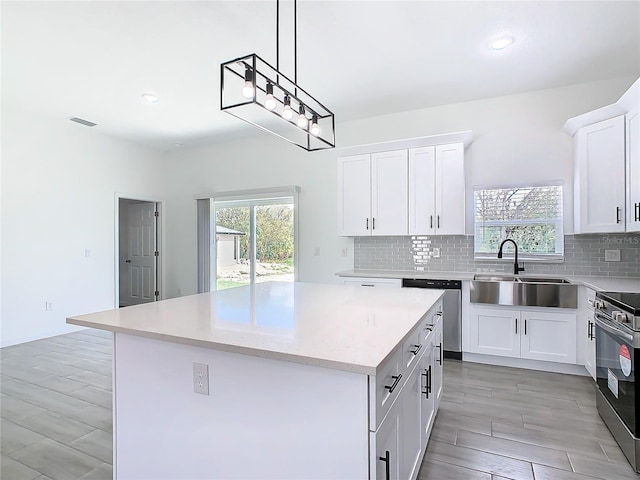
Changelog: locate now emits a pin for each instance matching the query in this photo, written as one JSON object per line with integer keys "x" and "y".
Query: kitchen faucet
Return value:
{"x": 516, "y": 268}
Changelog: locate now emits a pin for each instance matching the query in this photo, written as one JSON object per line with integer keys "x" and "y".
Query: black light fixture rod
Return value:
{"x": 278, "y": 39}
{"x": 295, "y": 43}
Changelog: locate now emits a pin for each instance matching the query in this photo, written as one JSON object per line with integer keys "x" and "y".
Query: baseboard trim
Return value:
{"x": 554, "y": 367}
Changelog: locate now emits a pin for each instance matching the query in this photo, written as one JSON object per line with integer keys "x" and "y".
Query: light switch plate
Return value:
{"x": 612, "y": 255}
{"x": 201, "y": 378}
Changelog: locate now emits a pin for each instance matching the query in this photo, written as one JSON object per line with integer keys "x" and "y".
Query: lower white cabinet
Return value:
{"x": 373, "y": 282}
{"x": 404, "y": 416}
{"x": 534, "y": 334}
{"x": 586, "y": 299}
{"x": 438, "y": 358}
{"x": 385, "y": 442}
{"x": 411, "y": 427}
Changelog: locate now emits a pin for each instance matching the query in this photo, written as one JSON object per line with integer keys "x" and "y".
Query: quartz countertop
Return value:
{"x": 617, "y": 284}
{"x": 341, "y": 327}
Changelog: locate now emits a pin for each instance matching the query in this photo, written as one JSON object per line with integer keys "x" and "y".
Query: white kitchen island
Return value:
{"x": 306, "y": 381}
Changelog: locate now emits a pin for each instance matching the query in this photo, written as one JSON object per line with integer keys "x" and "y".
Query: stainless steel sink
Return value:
{"x": 494, "y": 277}
{"x": 542, "y": 280}
{"x": 497, "y": 289}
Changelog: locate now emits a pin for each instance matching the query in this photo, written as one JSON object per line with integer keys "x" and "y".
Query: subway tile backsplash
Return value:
{"x": 583, "y": 255}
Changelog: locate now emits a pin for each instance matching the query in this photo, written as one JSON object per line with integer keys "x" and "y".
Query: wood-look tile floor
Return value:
{"x": 495, "y": 423}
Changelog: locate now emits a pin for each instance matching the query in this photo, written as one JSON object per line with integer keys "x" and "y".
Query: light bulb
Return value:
{"x": 248, "y": 91}
{"x": 302, "y": 122}
{"x": 287, "y": 113}
{"x": 315, "y": 128}
{"x": 270, "y": 102}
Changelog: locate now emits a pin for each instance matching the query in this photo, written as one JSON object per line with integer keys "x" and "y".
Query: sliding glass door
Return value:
{"x": 254, "y": 241}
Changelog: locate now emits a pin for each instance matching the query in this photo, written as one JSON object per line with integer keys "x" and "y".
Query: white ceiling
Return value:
{"x": 360, "y": 58}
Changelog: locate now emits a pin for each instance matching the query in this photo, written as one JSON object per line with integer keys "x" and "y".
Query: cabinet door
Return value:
{"x": 411, "y": 428}
{"x": 494, "y": 331}
{"x": 389, "y": 193}
{"x": 600, "y": 182}
{"x": 422, "y": 195}
{"x": 385, "y": 447}
{"x": 427, "y": 397}
{"x": 450, "y": 191}
{"x": 354, "y": 195}
{"x": 590, "y": 350}
{"x": 633, "y": 171}
{"x": 438, "y": 358}
{"x": 548, "y": 336}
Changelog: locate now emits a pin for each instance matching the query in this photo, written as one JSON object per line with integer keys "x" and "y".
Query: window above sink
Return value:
{"x": 531, "y": 216}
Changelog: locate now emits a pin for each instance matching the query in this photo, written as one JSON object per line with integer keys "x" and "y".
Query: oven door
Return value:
{"x": 615, "y": 366}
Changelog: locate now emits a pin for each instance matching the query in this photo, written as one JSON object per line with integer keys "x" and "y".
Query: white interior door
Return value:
{"x": 138, "y": 266}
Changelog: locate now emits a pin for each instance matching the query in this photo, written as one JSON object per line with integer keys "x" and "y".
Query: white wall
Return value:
{"x": 517, "y": 139}
{"x": 59, "y": 181}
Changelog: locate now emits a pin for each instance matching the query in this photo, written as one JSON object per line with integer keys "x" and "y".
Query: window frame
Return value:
{"x": 523, "y": 256}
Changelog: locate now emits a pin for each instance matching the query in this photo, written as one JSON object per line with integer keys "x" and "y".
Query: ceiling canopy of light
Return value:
{"x": 254, "y": 91}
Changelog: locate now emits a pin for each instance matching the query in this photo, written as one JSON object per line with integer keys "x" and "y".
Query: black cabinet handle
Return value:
{"x": 618, "y": 211}
{"x": 417, "y": 349}
{"x": 429, "y": 327}
{"x": 592, "y": 327}
{"x": 430, "y": 221}
{"x": 367, "y": 223}
{"x": 387, "y": 468}
{"x": 525, "y": 326}
{"x": 438, "y": 217}
{"x": 373, "y": 221}
{"x": 636, "y": 211}
{"x": 516, "y": 322}
{"x": 396, "y": 380}
{"x": 427, "y": 382}
{"x": 439, "y": 359}
{"x": 589, "y": 330}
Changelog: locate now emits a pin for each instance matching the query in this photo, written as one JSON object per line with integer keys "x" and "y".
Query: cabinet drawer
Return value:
{"x": 373, "y": 282}
{"x": 384, "y": 388}
{"x": 413, "y": 347}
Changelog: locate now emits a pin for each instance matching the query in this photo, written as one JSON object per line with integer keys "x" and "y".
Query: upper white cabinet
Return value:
{"x": 437, "y": 190}
{"x": 606, "y": 150}
{"x": 633, "y": 170}
{"x": 416, "y": 188}
{"x": 600, "y": 177}
{"x": 372, "y": 194}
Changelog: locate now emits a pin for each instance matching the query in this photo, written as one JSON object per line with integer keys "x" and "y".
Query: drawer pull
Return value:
{"x": 427, "y": 387}
{"x": 439, "y": 359}
{"x": 396, "y": 380}
{"x": 387, "y": 468}
{"x": 429, "y": 327}
{"x": 417, "y": 349}
{"x": 618, "y": 211}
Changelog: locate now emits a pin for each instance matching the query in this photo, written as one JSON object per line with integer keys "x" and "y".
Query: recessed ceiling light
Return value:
{"x": 501, "y": 42}
{"x": 150, "y": 98}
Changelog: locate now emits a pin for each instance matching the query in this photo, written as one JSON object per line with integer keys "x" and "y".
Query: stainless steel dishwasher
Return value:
{"x": 452, "y": 311}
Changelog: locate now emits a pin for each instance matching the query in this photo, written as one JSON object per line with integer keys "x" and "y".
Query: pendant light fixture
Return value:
{"x": 254, "y": 91}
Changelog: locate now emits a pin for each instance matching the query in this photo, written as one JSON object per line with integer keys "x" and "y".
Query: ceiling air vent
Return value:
{"x": 83, "y": 121}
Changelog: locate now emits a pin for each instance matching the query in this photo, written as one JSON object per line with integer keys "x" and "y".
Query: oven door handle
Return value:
{"x": 608, "y": 326}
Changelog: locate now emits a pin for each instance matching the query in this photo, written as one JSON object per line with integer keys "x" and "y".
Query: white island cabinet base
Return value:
{"x": 267, "y": 419}
{"x": 306, "y": 381}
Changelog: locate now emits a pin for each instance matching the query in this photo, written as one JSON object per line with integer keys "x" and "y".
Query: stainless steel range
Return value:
{"x": 617, "y": 320}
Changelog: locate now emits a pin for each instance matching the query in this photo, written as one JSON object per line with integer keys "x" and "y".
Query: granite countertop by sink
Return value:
{"x": 618, "y": 284}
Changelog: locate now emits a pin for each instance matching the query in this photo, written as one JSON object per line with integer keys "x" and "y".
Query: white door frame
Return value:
{"x": 161, "y": 242}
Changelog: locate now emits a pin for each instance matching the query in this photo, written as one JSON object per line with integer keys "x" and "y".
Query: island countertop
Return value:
{"x": 342, "y": 327}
